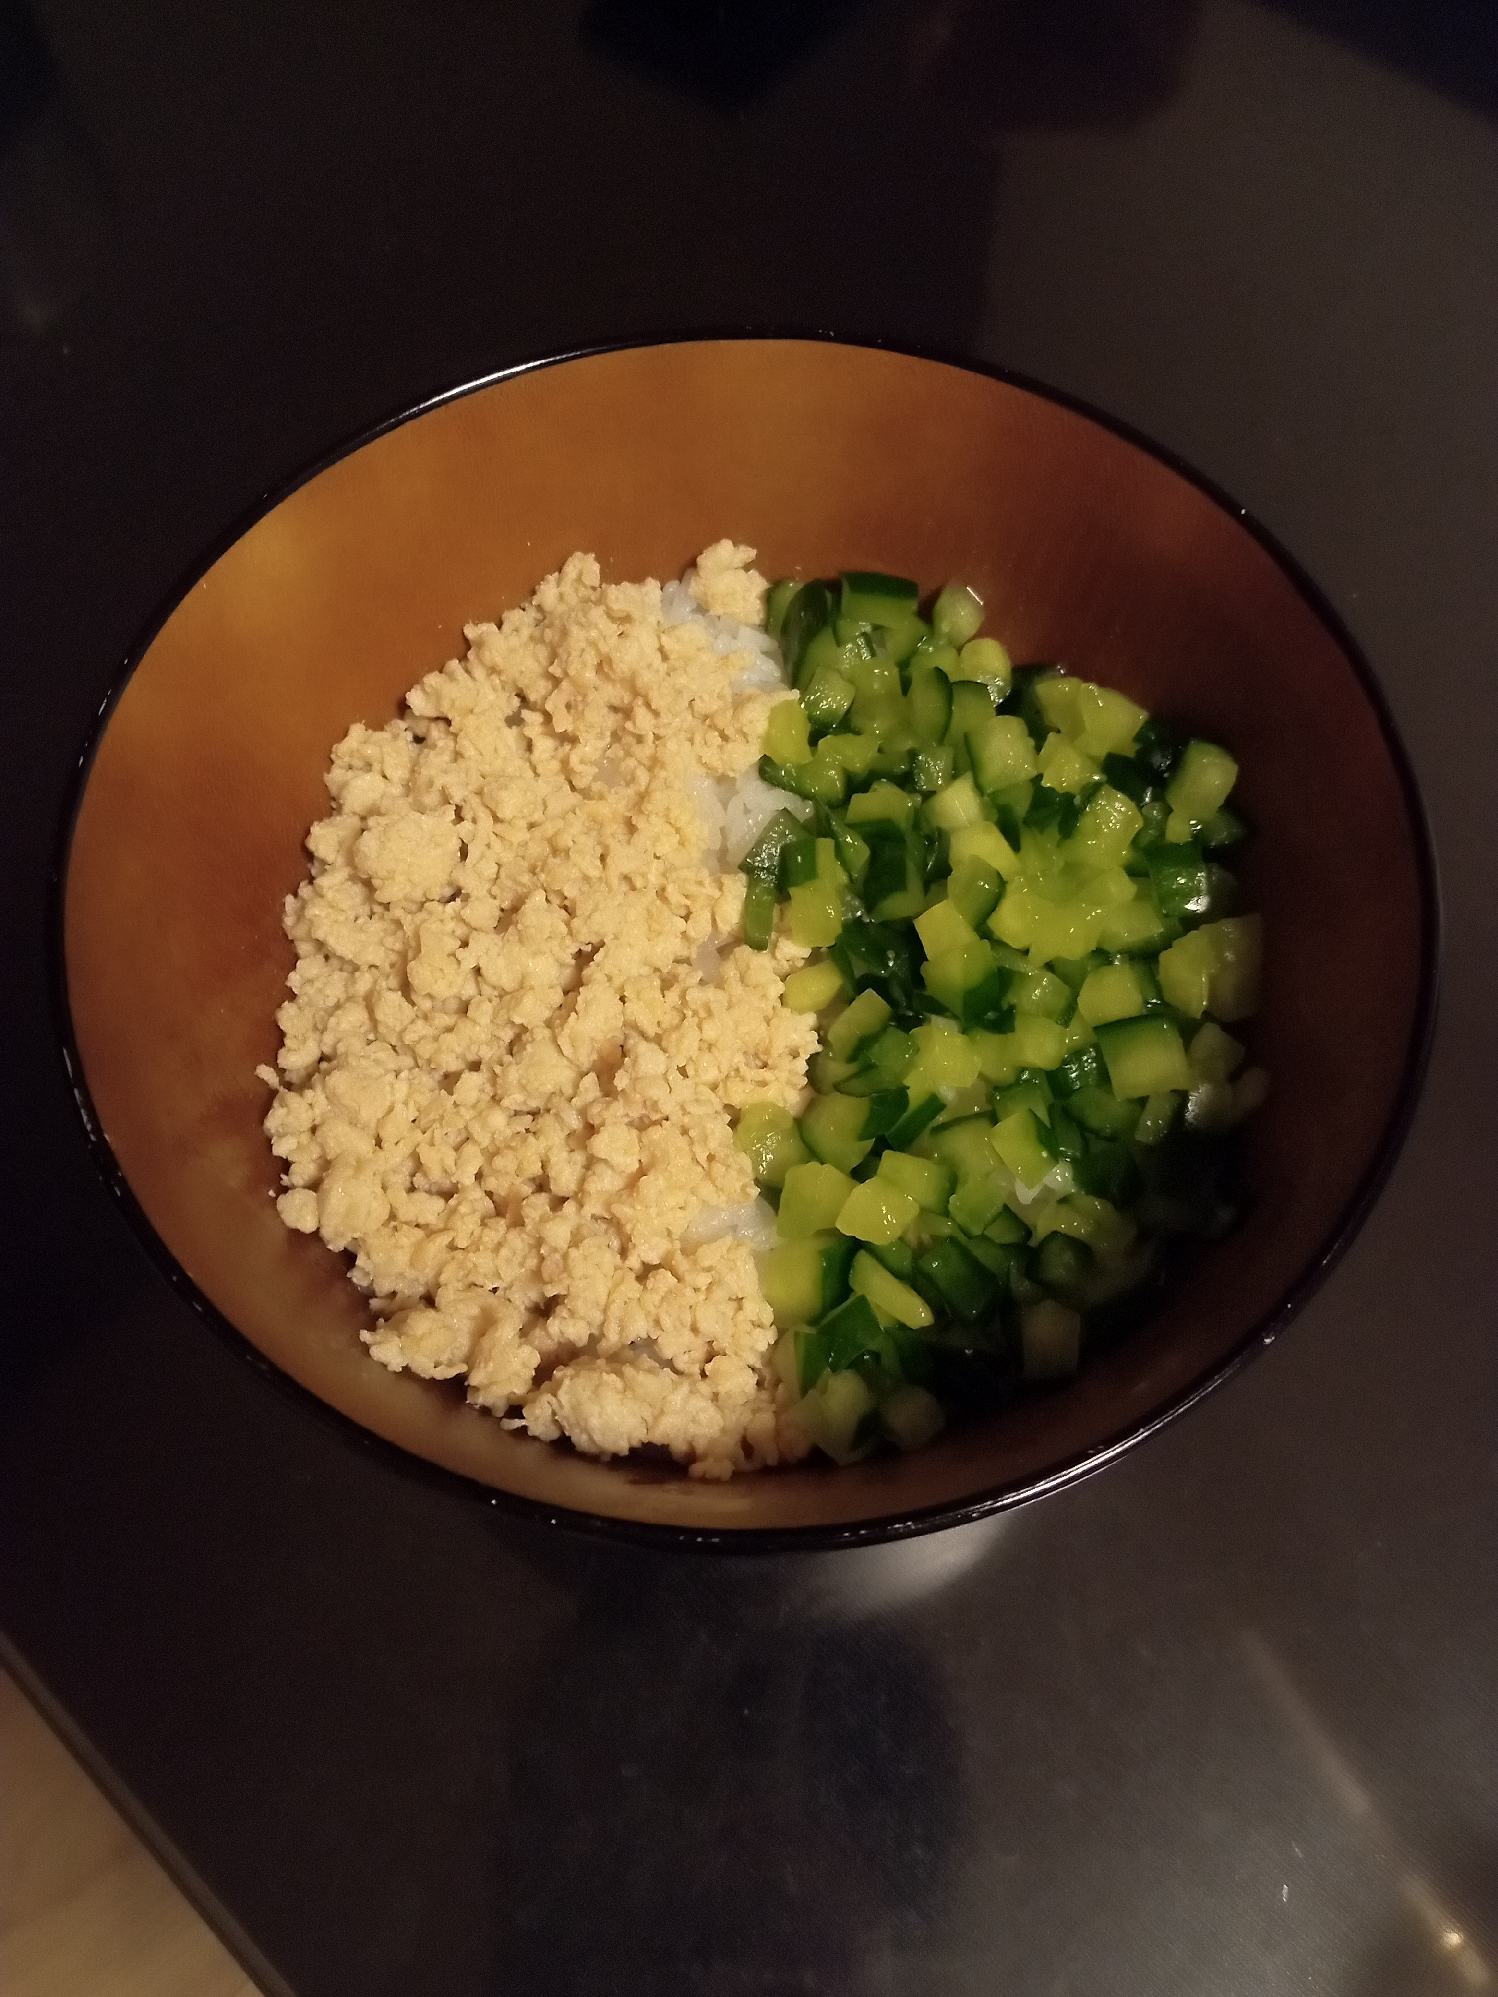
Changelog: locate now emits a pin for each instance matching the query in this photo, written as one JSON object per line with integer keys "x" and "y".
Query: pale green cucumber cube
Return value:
{"x": 812, "y": 1199}
{"x": 1050, "y": 1340}
{"x": 887, "y": 1293}
{"x": 877, "y": 1211}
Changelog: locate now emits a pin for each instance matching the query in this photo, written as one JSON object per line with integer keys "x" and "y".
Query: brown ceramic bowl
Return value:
{"x": 1088, "y": 547}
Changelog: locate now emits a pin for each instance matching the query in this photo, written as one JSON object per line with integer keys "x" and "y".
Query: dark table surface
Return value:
{"x": 1223, "y": 1719}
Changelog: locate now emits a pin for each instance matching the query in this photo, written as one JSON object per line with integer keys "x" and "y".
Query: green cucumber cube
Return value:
{"x": 812, "y": 1198}
{"x": 869, "y": 1278}
{"x": 1145, "y": 1056}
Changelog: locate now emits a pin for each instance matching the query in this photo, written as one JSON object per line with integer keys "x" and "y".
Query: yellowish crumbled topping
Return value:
{"x": 522, "y": 1013}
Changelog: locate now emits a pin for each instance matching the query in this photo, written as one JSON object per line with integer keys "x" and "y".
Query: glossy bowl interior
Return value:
{"x": 1088, "y": 549}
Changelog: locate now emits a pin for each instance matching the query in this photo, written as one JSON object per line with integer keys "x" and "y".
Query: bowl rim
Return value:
{"x": 758, "y": 1539}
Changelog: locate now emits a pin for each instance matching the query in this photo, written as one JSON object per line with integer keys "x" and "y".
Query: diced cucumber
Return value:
{"x": 763, "y": 860}
{"x": 934, "y": 653}
{"x": 971, "y": 704}
{"x": 859, "y": 1022}
{"x": 885, "y": 1111}
{"x": 846, "y": 756}
{"x": 803, "y": 1280}
{"x": 1134, "y": 925}
{"x": 1001, "y": 752}
{"x": 1116, "y": 991}
{"x": 1145, "y": 1056}
{"x": 825, "y": 1072}
{"x": 1216, "y": 967}
{"x": 878, "y": 701}
{"x": 1099, "y": 1110}
{"x": 1050, "y": 1340}
{"x": 944, "y": 1060}
{"x": 883, "y": 1064}
{"x": 1214, "y": 1055}
{"x": 1238, "y": 940}
{"x": 1086, "y": 1217}
{"x": 954, "y": 806}
{"x": 1105, "y": 830}
{"x": 793, "y": 1362}
{"x": 923, "y": 1110}
{"x": 929, "y": 702}
{"x": 1107, "y": 1168}
{"x": 840, "y": 1415}
{"x": 1209, "y": 1108}
{"x": 870, "y": 1278}
{"x": 944, "y": 927}
{"x": 827, "y": 697}
{"x": 978, "y": 1202}
{"x": 967, "y": 1289}
{"x": 832, "y": 1131}
{"x": 816, "y": 914}
{"x": 1040, "y": 995}
{"x": 1031, "y": 1091}
{"x": 957, "y": 614}
{"x": 1060, "y": 1263}
{"x": 1082, "y": 1068}
{"x": 1037, "y": 1042}
{"x": 768, "y": 1136}
{"x": 965, "y": 1146}
{"x": 985, "y": 659}
{"x": 1222, "y": 830}
{"x": 986, "y": 843}
{"x": 882, "y": 801}
{"x": 1157, "y": 1118}
{"x": 1178, "y": 878}
{"x": 1045, "y": 871}
{"x": 798, "y": 860}
{"x": 777, "y": 601}
{"x": 869, "y": 597}
{"x": 929, "y": 1181}
{"x": 851, "y": 1331}
{"x": 1199, "y": 787}
{"x": 968, "y": 982}
{"x": 974, "y": 888}
{"x": 877, "y": 1211}
{"x": 1025, "y": 1145}
{"x": 759, "y": 914}
{"x": 788, "y": 733}
{"x": 932, "y": 769}
{"x": 1110, "y": 721}
{"x": 895, "y": 886}
{"x": 808, "y": 611}
{"x": 1063, "y": 766}
{"x": 911, "y": 1416}
{"x": 811, "y": 1200}
{"x": 814, "y": 986}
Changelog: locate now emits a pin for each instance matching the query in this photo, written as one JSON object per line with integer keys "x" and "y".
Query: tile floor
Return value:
{"x": 85, "y": 1910}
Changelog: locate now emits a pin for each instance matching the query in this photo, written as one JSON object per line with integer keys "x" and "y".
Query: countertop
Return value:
{"x": 1223, "y": 1718}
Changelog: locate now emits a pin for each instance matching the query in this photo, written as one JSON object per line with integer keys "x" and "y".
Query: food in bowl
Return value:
{"x": 522, "y": 1017}
{"x": 1028, "y": 952}
{"x": 541, "y": 978}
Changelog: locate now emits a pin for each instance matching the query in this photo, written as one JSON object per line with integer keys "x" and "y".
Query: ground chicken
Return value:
{"x": 522, "y": 1015}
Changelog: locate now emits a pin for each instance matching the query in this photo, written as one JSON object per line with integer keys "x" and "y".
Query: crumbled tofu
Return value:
{"x": 523, "y": 1012}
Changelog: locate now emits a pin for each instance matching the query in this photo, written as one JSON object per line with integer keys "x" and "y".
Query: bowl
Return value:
{"x": 1089, "y": 547}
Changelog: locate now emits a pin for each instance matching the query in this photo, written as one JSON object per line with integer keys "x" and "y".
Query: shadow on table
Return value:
{"x": 720, "y": 1791}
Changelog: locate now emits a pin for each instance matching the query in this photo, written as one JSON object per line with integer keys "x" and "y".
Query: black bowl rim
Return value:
{"x": 860, "y": 1532}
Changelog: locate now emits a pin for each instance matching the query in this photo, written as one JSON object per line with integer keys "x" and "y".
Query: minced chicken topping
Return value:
{"x": 522, "y": 1013}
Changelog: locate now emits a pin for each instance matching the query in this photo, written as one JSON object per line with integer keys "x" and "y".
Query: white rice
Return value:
{"x": 753, "y": 804}
{"x": 735, "y": 813}
{"x": 753, "y": 1222}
